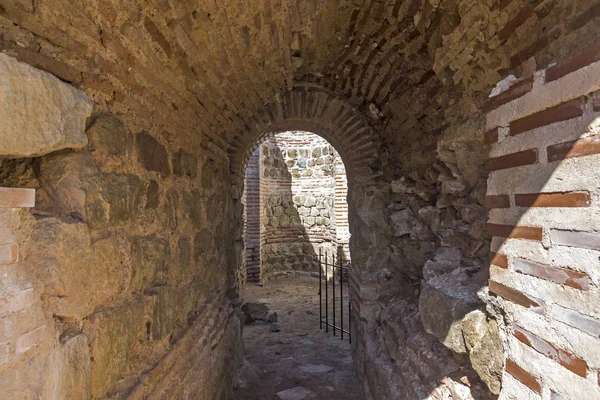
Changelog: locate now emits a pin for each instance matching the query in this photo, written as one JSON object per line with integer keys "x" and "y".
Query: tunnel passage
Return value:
{"x": 133, "y": 122}
{"x": 295, "y": 206}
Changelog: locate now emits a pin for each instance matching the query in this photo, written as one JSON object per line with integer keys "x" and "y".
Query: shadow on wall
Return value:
{"x": 296, "y": 207}
{"x": 536, "y": 329}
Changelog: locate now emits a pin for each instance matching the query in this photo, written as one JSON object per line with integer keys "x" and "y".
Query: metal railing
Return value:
{"x": 330, "y": 271}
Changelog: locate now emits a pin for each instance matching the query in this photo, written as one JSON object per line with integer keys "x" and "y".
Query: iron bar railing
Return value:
{"x": 329, "y": 272}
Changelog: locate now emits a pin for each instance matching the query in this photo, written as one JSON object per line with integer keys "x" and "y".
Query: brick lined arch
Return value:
{"x": 314, "y": 109}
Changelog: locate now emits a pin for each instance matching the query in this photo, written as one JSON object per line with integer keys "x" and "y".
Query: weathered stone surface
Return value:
{"x": 296, "y": 393}
{"x": 74, "y": 368}
{"x": 68, "y": 260}
{"x": 255, "y": 311}
{"x": 152, "y": 195}
{"x": 185, "y": 164}
{"x": 150, "y": 257}
{"x": 443, "y": 303}
{"x": 485, "y": 350}
{"x": 109, "y": 136}
{"x": 39, "y": 113}
{"x": 76, "y": 187}
{"x": 113, "y": 334}
{"x": 152, "y": 155}
{"x": 406, "y": 223}
{"x": 164, "y": 314}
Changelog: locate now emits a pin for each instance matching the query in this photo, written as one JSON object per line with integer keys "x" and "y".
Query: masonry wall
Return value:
{"x": 543, "y": 194}
{"x": 120, "y": 279}
{"x": 252, "y": 212}
{"x": 298, "y": 194}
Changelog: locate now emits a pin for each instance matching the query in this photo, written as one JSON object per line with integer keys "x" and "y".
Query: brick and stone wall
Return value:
{"x": 123, "y": 262}
{"x": 543, "y": 194}
{"x": 302, "y": 197}
{"x": 400, "y": 88}
{"x": 252, "y": 212}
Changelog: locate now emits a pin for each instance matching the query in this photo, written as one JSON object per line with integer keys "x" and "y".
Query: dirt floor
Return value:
{"x": 301, "y": 361}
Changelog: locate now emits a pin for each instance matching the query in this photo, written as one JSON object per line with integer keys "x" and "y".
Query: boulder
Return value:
{"x": 40, "y": 114}
{"x": 255, "y": 311}
{"x": 443, "y": 303}
{"x": 484, "y": 345}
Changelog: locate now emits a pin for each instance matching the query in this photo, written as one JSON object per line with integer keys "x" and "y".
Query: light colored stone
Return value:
{"x": 40, "y": 113}
{"x": 295, "y": 393}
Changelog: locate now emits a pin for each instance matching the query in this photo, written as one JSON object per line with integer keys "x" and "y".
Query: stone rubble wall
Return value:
{"x": 298, "y": 194}
{"x": 126, "y": 262}
{"x": 544, "y": 199}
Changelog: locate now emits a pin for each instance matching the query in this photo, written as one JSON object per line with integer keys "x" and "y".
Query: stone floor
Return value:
{"x": 301, "y": 361}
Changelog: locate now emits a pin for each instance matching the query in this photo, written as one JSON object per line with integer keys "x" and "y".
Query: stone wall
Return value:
{"x": 124, "y": 262}
{"x": 298, "y": 195}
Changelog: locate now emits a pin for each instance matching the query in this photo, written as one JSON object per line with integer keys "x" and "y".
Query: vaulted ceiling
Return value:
{"x": 210, "y": 67}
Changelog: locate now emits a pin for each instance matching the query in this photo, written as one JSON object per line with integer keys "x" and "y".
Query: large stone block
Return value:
{"x": 153, "y": 155}
{"x": 78, "y": 273}
{"x": 73, "y": 185}
{"x": 109, "y": 136}
{"x": 150, "y": 258}
{"x": 74, "y": 367}
{"x": 443, "y": 303}
{"x": 39, "y": 113}
{"x": 113, "y": 337}
{"x": 484, "y": 345}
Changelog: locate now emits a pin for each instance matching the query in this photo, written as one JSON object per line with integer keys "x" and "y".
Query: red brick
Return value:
{"x": 517, "y": 90}
{"x": 574, "y": 199}
{"x": 516, "y": 296}
{"x": 574, "y": 148}
{"x": 566, "y": 359}
{"x": 526, "y": 157}
{"x": 515, "y": 232}
{"x": 497, "y": 201}
{"x": 30, "y": 339}
{"x": 564, "y": 276}
{"x": 523, "y": 376}
{"x": 16, "y": 302}
{"x": 9, "y": 253}
{"x": 513, "y": 24}
{"x": 157, "y": 36}
{"x": 528, "y": 52}
{"x": 586, "y": 57}
{"x": 491, "y": 136}
{"x": 16, "y": 197}
{"x": 562, "y": 112}
{"x": 499, "y": 259}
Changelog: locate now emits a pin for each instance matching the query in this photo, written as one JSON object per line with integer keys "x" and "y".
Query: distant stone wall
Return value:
{"x": 302, "y": 197}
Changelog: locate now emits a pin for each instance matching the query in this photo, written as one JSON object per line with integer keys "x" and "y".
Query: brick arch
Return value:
{"x": 314, "y": 109}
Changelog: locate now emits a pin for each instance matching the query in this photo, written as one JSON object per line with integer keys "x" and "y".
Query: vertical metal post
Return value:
{"x": 333, "y": 290}
{"x": 341, "y": 300}
{"x": 349, "y": 317}
{"x": 326, "y": 297}
{"x": 320, "y": 294}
